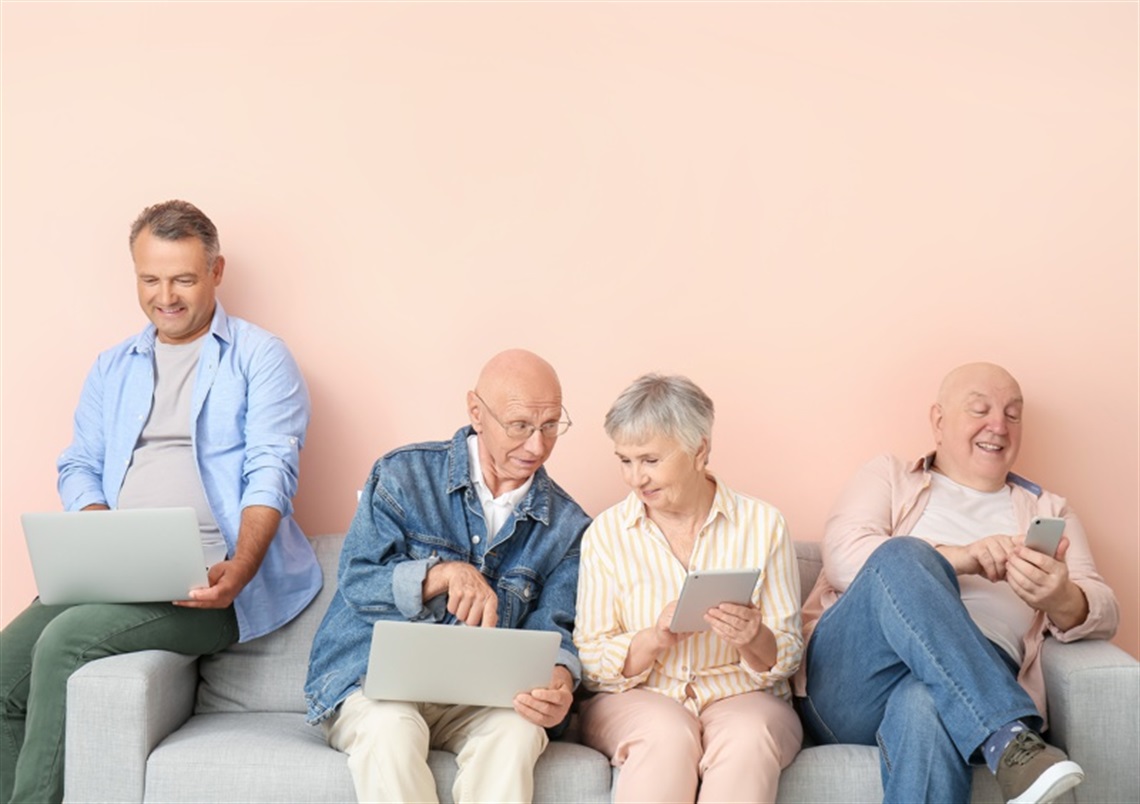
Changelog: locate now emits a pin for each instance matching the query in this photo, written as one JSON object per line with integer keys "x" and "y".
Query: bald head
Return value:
{"x": 977, "y": 425}
{"x": 961, "y": 379}
{"x": 515, "y": 387}
{"x": 516, "y": 371}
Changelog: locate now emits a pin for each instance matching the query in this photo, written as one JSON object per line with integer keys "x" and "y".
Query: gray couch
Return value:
{"x": 159, "y": 726}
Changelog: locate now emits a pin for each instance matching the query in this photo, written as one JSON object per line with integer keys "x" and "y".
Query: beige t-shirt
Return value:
{"x": 163, "y": 472}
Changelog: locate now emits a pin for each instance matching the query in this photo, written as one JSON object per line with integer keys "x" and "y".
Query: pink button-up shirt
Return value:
{"x": 886, "y": 498}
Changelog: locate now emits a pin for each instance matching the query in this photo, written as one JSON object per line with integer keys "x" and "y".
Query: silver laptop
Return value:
{"x": 457, "y": 664}
{"x": 138, "y": 555}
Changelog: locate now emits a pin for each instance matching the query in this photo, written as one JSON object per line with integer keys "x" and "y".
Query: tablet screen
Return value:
{"x": 706, "y": 589}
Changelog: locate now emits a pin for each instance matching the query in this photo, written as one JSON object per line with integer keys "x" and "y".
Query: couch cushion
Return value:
{"x": 268, "y": 674}
{"x": 810, "y": 561}
{"x": 833, "y": 773}
{"x": 271, "y": 756}
{"x": 276, "y": 757}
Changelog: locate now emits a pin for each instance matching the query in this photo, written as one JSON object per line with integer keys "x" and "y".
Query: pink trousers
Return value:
{"x": 734, "y": 751}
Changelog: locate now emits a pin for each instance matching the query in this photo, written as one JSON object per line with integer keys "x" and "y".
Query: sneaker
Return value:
{"x": 1031, "y": 771}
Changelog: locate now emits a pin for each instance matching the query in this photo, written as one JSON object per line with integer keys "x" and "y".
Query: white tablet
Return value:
{"x": 707, "y": 589}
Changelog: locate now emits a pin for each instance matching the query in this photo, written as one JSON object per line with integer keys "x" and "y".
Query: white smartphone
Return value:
{"x": 707, "y": 589}
{"x": 1045, "y": 534}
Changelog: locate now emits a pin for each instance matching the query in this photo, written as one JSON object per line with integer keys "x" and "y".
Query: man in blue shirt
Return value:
{"x": 200, "y": 410}
{"x": 470, "y": 530}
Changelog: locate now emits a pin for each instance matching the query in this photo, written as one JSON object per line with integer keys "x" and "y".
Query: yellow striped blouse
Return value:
{"x": 628, "y": 574}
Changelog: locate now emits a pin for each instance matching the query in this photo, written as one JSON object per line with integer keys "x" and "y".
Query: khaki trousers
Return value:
{"x": 387, "y": 743}
{"x": 734, "y": 751}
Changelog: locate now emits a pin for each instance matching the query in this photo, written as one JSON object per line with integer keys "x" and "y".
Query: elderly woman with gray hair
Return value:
{"x": 702, "y": 716}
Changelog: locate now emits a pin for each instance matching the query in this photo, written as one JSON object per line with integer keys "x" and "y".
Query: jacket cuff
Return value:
{"x": 408, "y": 587}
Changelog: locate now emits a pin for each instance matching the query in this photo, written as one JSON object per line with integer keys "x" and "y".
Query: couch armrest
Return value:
{"x": 1093, "y": 691}
{"x": 118, "y": 709}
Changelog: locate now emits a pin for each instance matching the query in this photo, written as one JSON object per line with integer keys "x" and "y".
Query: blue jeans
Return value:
{"x": 898, "y": 662}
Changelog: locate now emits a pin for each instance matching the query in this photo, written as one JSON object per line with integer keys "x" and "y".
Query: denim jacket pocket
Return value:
{"x": 425, "y": 545}
{"x": 519, "y": 592}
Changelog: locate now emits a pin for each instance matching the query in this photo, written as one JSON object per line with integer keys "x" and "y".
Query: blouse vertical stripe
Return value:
{"x": 628, "y": 575}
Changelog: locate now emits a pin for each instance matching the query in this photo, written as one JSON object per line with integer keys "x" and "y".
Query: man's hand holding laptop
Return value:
{"x": 548, "y": 706}
{"x": 227, "y": 578}
{"x": 472, "y": 600}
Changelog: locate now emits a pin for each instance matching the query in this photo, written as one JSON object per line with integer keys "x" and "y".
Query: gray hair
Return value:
{"x": 174, "y": 220}
{"x": 659, "y": 405}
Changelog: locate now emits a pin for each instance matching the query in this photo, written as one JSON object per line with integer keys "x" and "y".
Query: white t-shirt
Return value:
{"x": 957, "y": 515}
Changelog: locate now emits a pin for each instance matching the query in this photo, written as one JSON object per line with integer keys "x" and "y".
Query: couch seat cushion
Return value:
{"x": 275, "y": 756}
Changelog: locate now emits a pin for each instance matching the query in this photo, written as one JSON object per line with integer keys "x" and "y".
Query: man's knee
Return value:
{"x": 83, "y": 633}
{"x": 906, "y": 549}
{"x": 63, "y": 639}
{"x": 915, "y": 700}
{"x": 368, "y": 727}
{"x": 508, "y": 728}
{"x": 906, "y": 555}
{"x": 405, "y": 725}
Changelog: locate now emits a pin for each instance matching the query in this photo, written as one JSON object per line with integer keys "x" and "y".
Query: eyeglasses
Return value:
{"x": 521, "y": 431}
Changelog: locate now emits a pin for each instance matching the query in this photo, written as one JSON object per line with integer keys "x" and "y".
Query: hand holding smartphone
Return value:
{"x": 1045, "y": 534}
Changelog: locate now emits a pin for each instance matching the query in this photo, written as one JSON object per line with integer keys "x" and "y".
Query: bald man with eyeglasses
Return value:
{"x": 468, "y": 531}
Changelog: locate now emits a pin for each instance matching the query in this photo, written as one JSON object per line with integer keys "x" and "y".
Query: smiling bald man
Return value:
{"x": 927, "y": 621}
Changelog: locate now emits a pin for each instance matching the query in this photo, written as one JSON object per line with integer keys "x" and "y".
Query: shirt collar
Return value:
{"x": 925, "y": 465}
{"x": 219, "y": 328}
{"x": 632, "y": 510}
{"x": 535, "y": 504}
{"x": 724, "y": 503}
{"x": 475, "y": 467}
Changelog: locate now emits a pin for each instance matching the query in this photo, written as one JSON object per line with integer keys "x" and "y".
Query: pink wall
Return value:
{"x": 812, "y": 210}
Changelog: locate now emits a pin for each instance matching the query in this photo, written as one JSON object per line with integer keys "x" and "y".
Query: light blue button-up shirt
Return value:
{"x": 249, "y": 413}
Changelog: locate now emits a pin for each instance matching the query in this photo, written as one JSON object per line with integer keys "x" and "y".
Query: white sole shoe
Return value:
{"x": 1056, "y": 780}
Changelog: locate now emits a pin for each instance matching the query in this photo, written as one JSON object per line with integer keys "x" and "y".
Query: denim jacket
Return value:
{"x": 250, "y": 410}
{"x": 419, "y": 507}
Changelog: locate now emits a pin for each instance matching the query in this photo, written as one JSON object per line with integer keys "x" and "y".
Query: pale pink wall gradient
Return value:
{"x": 812, "y": 210}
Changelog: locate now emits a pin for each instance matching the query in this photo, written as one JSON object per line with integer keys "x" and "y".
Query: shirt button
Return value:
{"x": 475, "y": 540}
{"x": 684, "y": 668}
